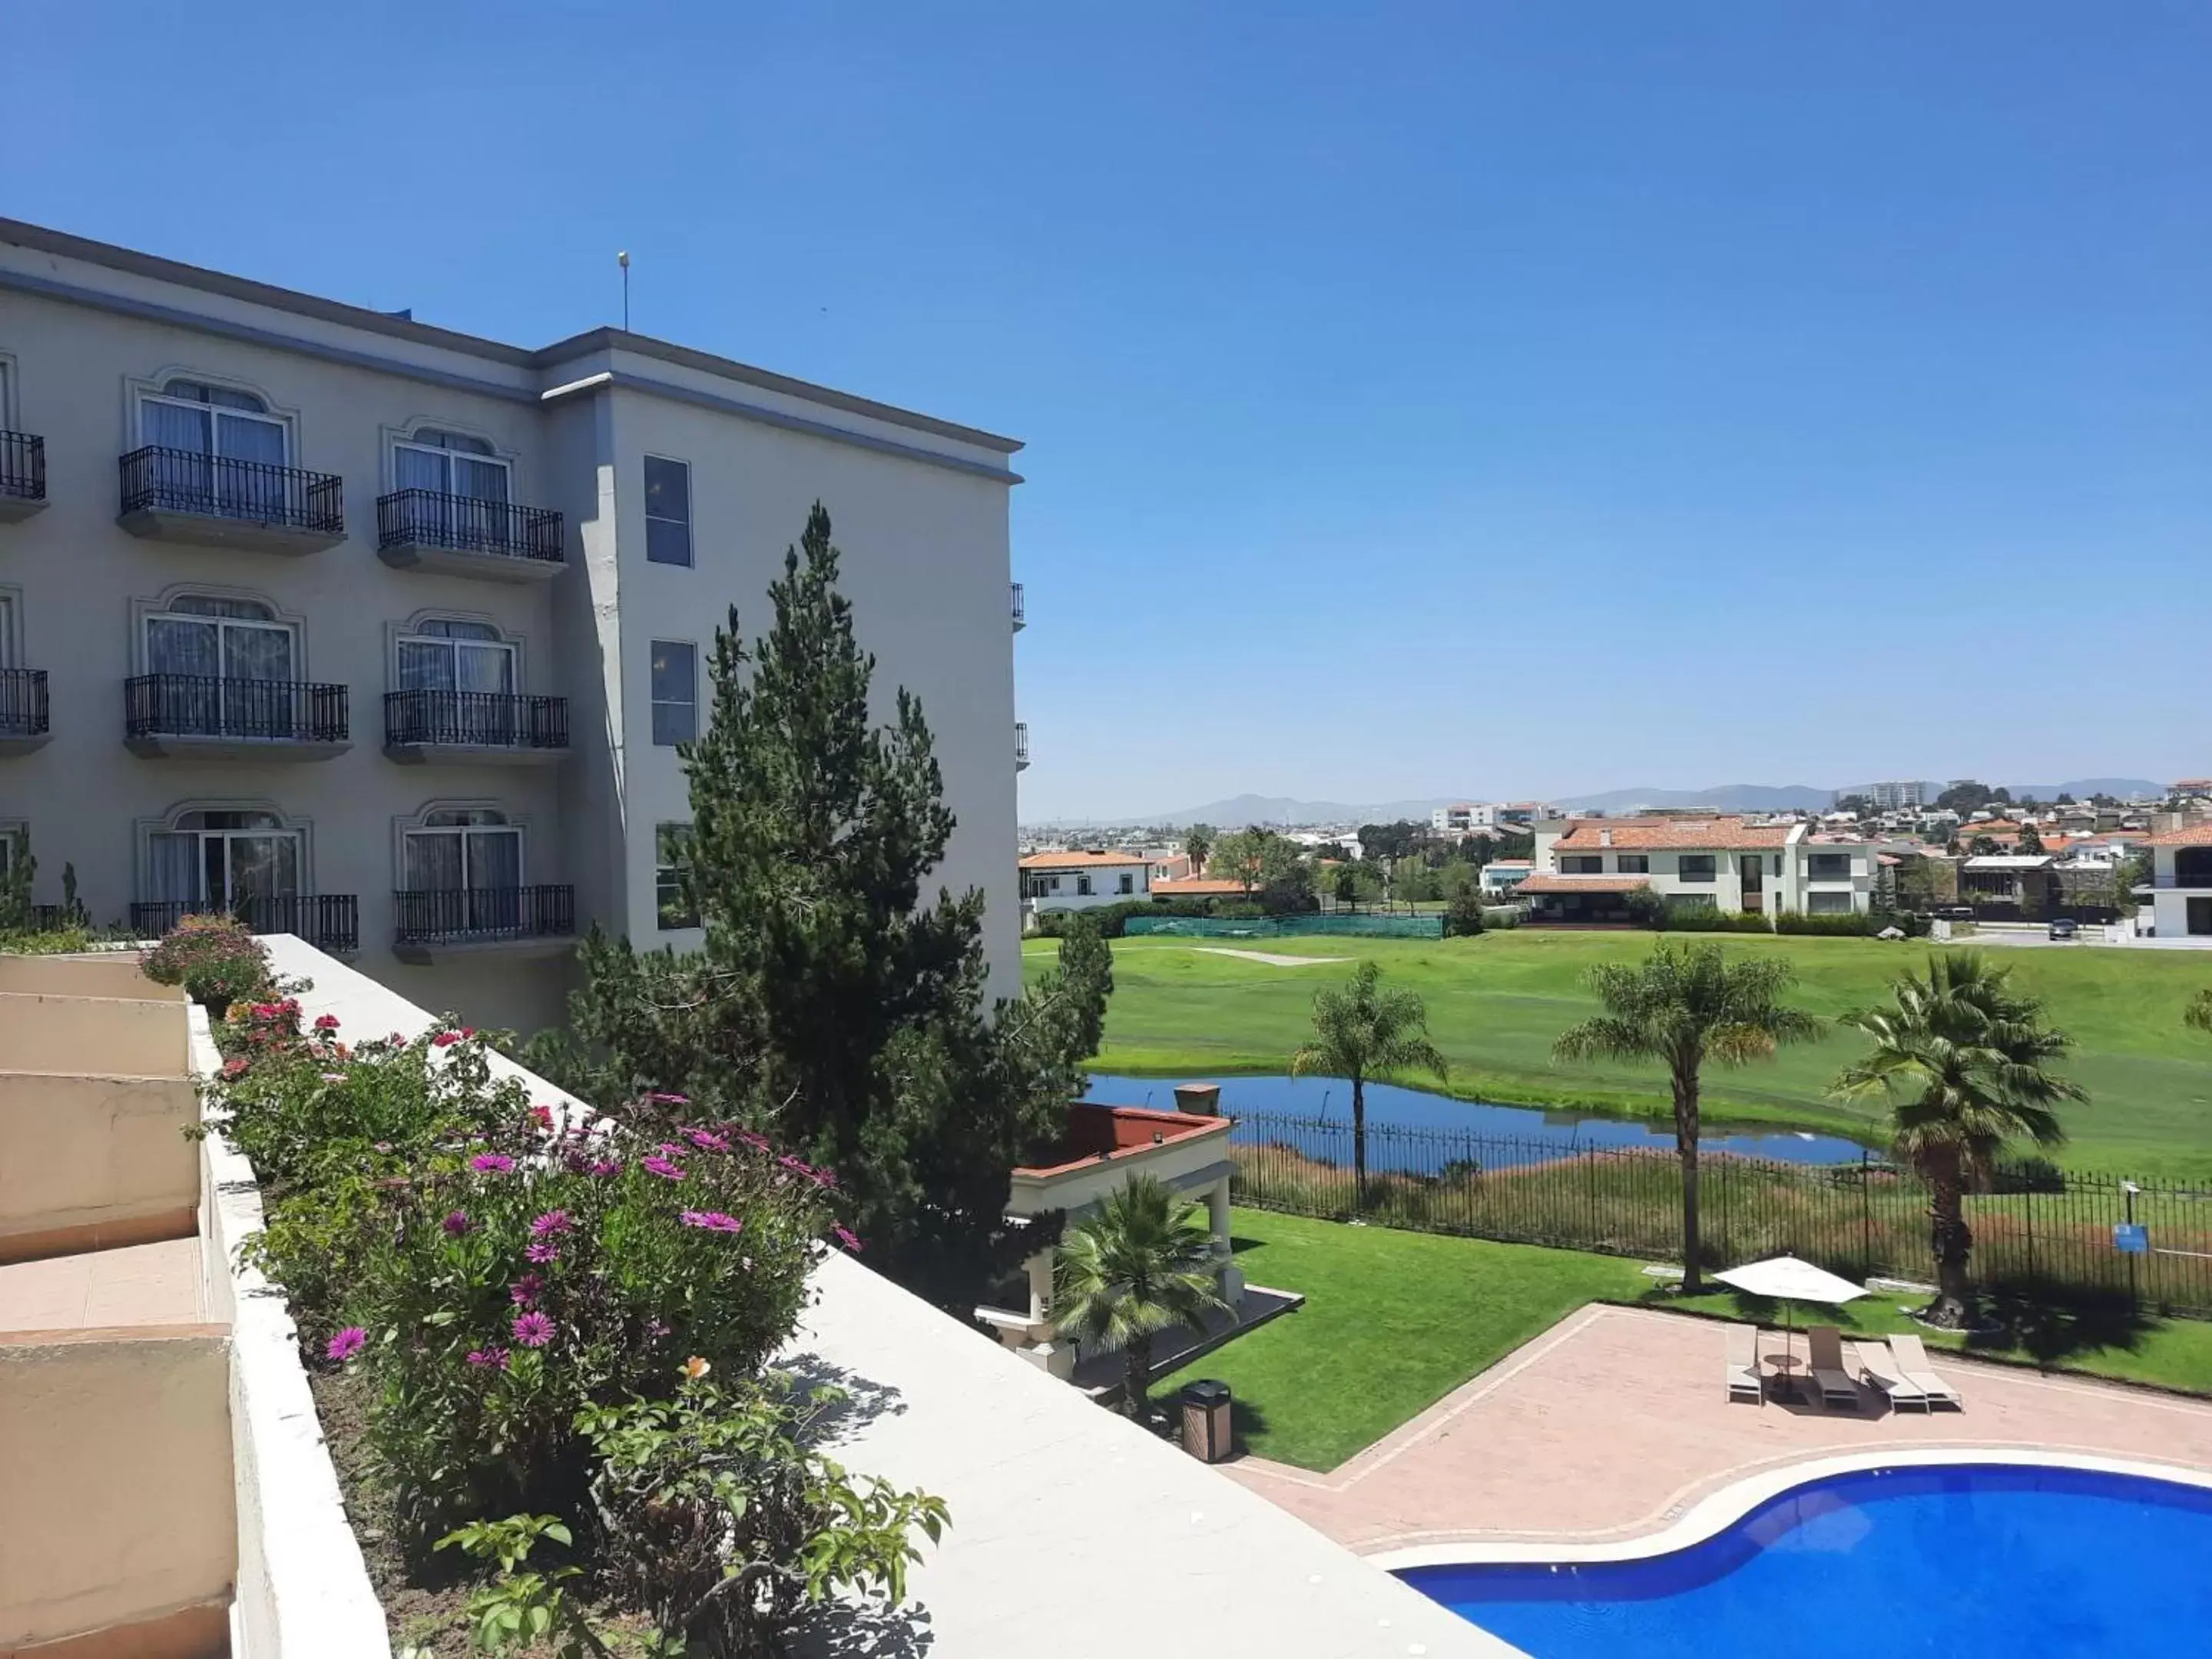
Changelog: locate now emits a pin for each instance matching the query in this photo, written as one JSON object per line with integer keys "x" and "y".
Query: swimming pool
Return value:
{"x": 1968, "y": 1561}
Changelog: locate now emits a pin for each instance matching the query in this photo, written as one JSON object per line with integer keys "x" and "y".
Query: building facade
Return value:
{"x": 1586, "y": 868}
{"x": 2181, "y": 883}
{"x": 385, "y": 635}
{"x": 1077, "y": 881}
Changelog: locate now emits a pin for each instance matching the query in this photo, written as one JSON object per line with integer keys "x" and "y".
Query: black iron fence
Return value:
{"x": 2039, "y": 1227}
{"x": 329, "y": 921}
{"x": 22, "y": 702}
{"x": 155, "y": 479}
{"x": 23, "y": 466}
{"x": 215, "y": 706}
{"x": 427, "y": 518}
{"x": 484, "y": 719}
{"x": 466, "y": 914}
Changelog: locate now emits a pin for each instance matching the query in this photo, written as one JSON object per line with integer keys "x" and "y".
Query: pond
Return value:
{"x": 1534, "y": 1133}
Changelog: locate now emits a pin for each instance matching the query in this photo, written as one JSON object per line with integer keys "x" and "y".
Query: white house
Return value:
{"x": 1076, "y": 881}
{"x": 1463, "y": 818}
{"x": 1586, "y": 868}
{"x": 1502, "y": 876}
{"x": 2181, "y": 881}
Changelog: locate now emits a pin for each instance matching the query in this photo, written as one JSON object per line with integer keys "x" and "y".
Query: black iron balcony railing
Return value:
{"x": 466, "y": 914}
{"x": 494, "y": 719}
{"x": 329, "y": 921}
{"x": 220, "y": 487}
{"x": 212, "y": 706}
{"x": 1021, "y": 608}
{"x": 22, "y": 466}
{"x": 425, "y": 518}
{"x": 22, "y": 702}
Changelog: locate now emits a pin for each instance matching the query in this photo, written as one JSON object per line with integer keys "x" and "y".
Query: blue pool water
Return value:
{"x": 1542, "y": 1133}
{"x": 1969, "y": 1563}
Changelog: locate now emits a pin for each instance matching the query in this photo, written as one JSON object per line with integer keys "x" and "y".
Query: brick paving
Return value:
{"x": 1614, "y": 1421}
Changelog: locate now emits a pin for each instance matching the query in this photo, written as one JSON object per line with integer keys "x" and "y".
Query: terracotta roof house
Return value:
{"x": 1586, "y": 868}
{"x": 2181, "y": 881}
{"x": 1077, "y": 880}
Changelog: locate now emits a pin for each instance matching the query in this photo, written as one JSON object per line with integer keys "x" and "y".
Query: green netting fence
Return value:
{"x": 1432, "y": 927}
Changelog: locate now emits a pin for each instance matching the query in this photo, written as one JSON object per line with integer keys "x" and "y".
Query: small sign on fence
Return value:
{"x": 2131, "y": 1238}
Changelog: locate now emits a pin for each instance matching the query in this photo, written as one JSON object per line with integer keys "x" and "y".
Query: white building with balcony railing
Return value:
{"x": 1077, "y": 880}
{"x": 1585, "y": 869}
{"x": 2181, "y": 881}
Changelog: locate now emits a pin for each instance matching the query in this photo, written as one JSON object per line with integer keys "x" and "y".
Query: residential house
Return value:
{"x": 1079, "y": 880}
{"x": 1501, "y": 876}
{"x": 386, "y": 636}
{"x": 1463, "y": 819}
{"x": 1586, "y": 868}
{"x": 2181, "y": 881}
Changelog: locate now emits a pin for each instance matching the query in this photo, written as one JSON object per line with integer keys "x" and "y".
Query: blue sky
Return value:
{"x": 1421, "y": 399}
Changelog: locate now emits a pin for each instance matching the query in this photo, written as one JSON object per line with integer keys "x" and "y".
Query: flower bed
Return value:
{"x": 542, "y": 1345}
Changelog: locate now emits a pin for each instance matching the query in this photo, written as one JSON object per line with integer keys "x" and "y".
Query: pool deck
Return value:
{"x": 1614, "y": 1422}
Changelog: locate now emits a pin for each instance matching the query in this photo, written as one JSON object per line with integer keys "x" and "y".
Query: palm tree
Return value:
{"x": 1141, "y": 1264}
{"x": 1683, "y": 1006}
{"x": 1358, "y": 1031}
{"x": 1961, "y": 1057}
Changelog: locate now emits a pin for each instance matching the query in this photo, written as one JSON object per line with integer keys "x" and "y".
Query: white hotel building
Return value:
{"x": 385, "y": 635}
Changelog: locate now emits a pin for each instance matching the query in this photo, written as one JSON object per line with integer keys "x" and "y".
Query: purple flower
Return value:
{"x": 663, "y": 1168}
{"x": 553, "y": 1221}
{"x": 712, "y": 1220}
{"x": 607, "y": 1166}
{"x": 525, "y": 1290}
{"x": 491, "y": 1163}
{"x": 757, "y": 1142}
{"x": 542, "y": 1251}
{"x": 533, "y": 1330}
{"x": 845, "y": 1236}
{"x": 346, "y": 1344}
{"x": 458, "y": 1222}
{"x": 705, "y": 1142}
{"x": 488, "y": 1357}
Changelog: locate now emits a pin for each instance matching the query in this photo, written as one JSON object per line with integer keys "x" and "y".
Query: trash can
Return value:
{"x": 1206, "y": 1425}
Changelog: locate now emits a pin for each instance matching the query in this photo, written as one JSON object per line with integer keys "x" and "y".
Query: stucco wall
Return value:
{"x": 124, "y": 1036}
{"x": 98, "y": 1154}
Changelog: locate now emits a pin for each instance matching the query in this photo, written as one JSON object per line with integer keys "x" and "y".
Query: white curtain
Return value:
{"x": 172, "y": 867}
{"x": 495, "y": 858}
{"x": 263, "y": 866}
{"x": 419, "y": 469}
{"x": 257, "y": 654}
{"x": 485, "y": 667}
{"x": 480, "y": 481}
{"x": 426, "y": 665}
{"x": 177, "y": 426}
{"x": 434, "y": 862}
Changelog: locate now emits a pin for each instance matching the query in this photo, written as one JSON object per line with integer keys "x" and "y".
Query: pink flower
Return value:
{"x": 711, "y": 1220}
{"x": 495, "y": 1358}
{"x": 533, "y": 1330}
{"x": 457, "y": 1223}
{"x": 542, "y": 1251}
{"x": 659, "y": 1098}
{"x": 398, "y": 1039}
{"x": 663, "y": 1168}
{"x": 607, "y": 1166}
{"x": 346, "y": 1344}
{"x": 553, "y": 1221}
{"x": 234, "y": 1067}
{"x": 326, "y": 1022}
{"x": 491, "y": 1163}
{"x": 757, "y": 1142}
{"x": 541, "y": 1115}
{"x": 705, "y": 1142}
{"x": 845, "y": 1236}
{"x": 525, "y": 1290}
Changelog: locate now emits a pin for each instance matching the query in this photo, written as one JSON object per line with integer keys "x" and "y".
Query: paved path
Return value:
{"x": 1613, "y": 1422}
{"x": 1268, "y": 957}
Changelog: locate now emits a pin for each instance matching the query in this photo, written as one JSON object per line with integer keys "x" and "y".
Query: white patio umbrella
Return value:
{"x": 1786, "y": 1279}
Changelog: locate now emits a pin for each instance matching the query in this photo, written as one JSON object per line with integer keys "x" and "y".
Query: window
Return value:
{"x": 671, "y": 852}
{"x": 449, "y": 464}
{"x": 462, "y": 849}
{"x": 220, "y": 657}
{"x": 7, "y": 630}
{"x": 225, "y": 442}
{"x": 1689, "y": 901}
{"x": 667, "y": 511}
{"x": 1695, "y": 866}
{"x": 1828, "y": 866}
{"x": 1635, "y": 864}
{"x": 1082, "y": 885}
{"x": 472, "y": 672}
{"x": 675, "y": 692}
{"x": 1827, "y": 904}
{"x": 1128, "y": 882}
{"x": 1581, "y": 864}
{"x": 221, "y": 857}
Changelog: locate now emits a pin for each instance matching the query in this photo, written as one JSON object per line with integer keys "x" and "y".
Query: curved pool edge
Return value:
{"x": 1718, "y": 1511}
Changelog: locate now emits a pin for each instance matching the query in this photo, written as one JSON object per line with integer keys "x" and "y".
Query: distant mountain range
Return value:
{"x": 1239, "y": 809}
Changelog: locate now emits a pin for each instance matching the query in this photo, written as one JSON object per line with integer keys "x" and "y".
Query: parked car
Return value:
{"x": 2063, "y": 927}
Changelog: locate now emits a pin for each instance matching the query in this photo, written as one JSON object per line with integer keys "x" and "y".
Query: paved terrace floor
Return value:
{"x": 1614, "y": 1421}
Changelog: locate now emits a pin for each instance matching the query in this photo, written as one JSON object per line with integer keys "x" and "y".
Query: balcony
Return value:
{"x": 23, "y": 474}
{"x": 475, "y": 727}
{"x": 213, "y": 501}
{"x": 212, "y": 717}
{"x": 329, "y": 921}
{"x": 1021, "y": 746}
{"x": 23, "y": 710}
{"x": 434, "y": 924}
{"x": 1021, "y": 609}
{"x": 461, "y": 536}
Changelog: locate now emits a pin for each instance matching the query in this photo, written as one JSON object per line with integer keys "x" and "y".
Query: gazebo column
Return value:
{"x": 1226, "y": 1271}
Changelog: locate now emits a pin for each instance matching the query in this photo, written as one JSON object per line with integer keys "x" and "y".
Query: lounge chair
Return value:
{"x": 1913, "y": 1361}
{"x": 1878, "y": 1369}
{"x": 1826, "y": 1344}
{"x": 1742, "y": 1369}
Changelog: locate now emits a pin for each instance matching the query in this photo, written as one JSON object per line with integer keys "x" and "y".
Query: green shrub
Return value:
{"x": 215, "y": 959}
{"x": 1464, "y": 915}
{"x": 1704, "y": 918}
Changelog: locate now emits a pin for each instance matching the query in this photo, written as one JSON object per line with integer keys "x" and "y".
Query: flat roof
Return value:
{"x": 45, "y": 239}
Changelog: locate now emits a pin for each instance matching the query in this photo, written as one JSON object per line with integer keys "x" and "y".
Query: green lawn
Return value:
{"x": 1496, "y": 1002}
{"x": 1395, "y": 1320}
